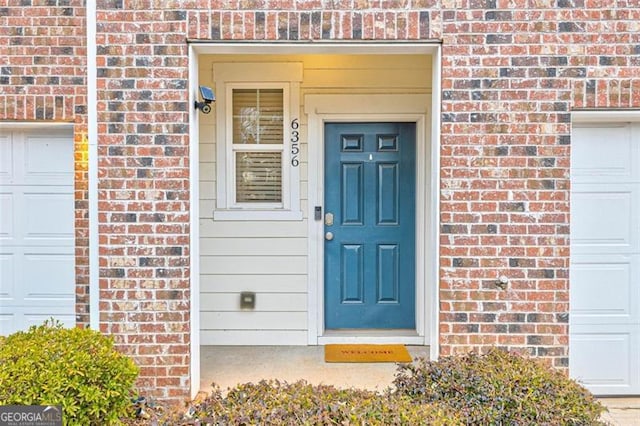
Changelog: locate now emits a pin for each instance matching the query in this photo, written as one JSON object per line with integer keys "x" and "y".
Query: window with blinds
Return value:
{"x": 258, "y": 116}
{"x": 258, "y": 177}
{"x": 258, "y": 144}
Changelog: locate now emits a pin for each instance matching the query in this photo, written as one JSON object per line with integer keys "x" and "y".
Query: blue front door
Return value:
{"x": 369, "y": 225}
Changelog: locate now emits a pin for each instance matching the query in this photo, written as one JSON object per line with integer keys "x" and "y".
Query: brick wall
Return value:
{"x": 511, "y": 74}
{"x": 42, "y": 78}
{"x": 143, "y": 169}
{"x": 143, "y": 155}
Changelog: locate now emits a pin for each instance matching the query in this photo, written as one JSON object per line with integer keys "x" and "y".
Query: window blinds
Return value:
{"x": 258, "y": 120}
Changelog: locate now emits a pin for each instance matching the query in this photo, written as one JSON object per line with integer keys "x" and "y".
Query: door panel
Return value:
{"x": 370, "y": 193}
{"x": 388, "y": 197}
{"x": 388, "y": 273}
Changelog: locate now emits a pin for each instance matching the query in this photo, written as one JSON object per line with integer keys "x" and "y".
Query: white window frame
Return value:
{"x": 230, "y": 76}
{"x": 283, "y": 148}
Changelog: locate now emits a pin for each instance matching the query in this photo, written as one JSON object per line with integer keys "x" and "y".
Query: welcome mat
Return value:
{"x": 366, "y": 353}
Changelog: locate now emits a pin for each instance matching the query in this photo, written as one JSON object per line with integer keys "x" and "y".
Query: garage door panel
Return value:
{"x": 615, "y": 354}
{"x": 47, "y": 159}
{"x": 609, "y": 223}
{"x": 6, "y": 158}
{"x": 603, "y": 290}
{"x": 29, "y": 212}
{"x": 7, "y": 323}
{"x": 7, "y": 277}
{"x": 42, "y": 209}
{"x": 7, "y": 222}
{"x": 48, "y": 277}
{"x": 38, "y": 319}
{"x": 605, "y": 152}
{"x": 21, "y": 318}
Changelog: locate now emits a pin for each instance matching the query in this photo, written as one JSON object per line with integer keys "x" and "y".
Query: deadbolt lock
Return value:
{"x": 328, "y": 219}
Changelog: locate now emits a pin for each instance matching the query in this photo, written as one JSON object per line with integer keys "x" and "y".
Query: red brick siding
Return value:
{"x": 42, "y": 78}
{"x": 143, "y": 160}
{"x": 143, "y": 168}
{"x": 306, "y": 20}
{"x": 511, "y": 74}
{"x": 511, "y": 77}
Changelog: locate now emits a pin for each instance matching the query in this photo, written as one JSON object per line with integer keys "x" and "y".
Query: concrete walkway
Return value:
{"x": 231, "y": 365}
{"x": 622, "y": 411}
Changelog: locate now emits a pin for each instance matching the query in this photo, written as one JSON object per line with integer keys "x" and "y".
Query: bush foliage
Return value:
{"x": 299, "y": 403}
{"x": 78, "y": 369}
{"x": 499, "y": 388}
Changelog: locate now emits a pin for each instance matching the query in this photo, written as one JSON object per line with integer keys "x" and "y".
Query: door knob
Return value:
{"x": 328, "y": 236}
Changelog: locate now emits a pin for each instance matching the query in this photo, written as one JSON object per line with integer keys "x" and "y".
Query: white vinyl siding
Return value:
{"x": 269, "y": 257}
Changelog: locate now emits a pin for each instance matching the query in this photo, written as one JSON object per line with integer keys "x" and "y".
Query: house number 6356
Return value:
{"x": 295, "y": 142}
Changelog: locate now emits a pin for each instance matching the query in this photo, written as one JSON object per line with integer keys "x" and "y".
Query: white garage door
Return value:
{"x": 605, "y": 258}
{"x": 36, "y": 228}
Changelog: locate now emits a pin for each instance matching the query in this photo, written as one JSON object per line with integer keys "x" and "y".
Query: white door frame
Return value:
{"x": 321, "y": 109}
{"x": 432, "y": 123}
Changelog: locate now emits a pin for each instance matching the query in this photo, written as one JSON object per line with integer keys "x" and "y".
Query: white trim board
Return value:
{"x": 428, "y": 47}
{"x": 194, "y": 229}
{"x": 604, "y": 116}
{"x": 433, "y": 243}
{"x": 321, "y": 109}
{"x": 92, "y": 167}
{"x": 36, "y": 125}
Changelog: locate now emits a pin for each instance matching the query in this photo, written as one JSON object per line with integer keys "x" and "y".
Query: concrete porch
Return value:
{"x": 231, "y": 365}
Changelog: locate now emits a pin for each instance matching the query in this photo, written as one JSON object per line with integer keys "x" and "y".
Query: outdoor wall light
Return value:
{"x": 207, "y": 97}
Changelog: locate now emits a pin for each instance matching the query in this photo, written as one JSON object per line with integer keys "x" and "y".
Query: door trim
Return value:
{"x": 321, "y": 109}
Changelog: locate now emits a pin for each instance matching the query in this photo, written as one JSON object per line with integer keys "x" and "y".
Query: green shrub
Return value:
{"x": 299, "y": 403}
{"x": 76, "y": 368}
{"x": 499, "y": 388}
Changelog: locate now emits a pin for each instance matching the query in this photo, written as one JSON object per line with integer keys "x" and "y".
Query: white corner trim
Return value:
{"x": 605, "y": 116}
{"x": 194, "y": 237}
{"x": 433, "y": 315}
{"x": 92, "y": 136}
